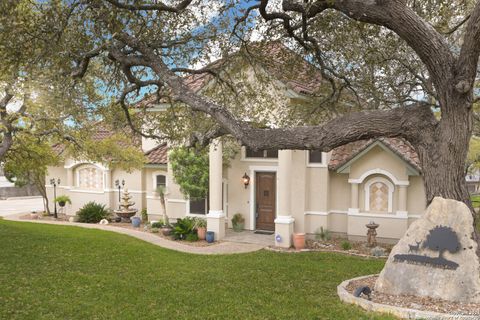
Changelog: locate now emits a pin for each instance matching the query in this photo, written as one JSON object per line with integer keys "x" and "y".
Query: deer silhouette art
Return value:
{"x": 414, "y": 248}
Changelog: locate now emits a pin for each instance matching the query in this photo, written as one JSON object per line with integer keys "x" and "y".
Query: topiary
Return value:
{"x": 92, "y": 213}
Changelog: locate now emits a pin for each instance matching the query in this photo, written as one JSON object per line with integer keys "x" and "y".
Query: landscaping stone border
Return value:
{"x": 404, "y": 313}
{"x": 283, "y": 250}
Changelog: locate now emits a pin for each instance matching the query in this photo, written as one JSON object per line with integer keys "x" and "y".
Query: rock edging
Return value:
{"x": 404, "y": 313}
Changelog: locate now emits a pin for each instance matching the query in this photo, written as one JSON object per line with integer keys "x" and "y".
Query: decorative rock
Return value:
{"x": 71, "y": 219}
{"x": 436, "y": 257}
{"x": 103, "y": 221}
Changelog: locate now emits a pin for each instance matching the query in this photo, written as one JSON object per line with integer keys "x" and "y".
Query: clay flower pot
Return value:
{"x": 202, "y": 233}
{"x": 299, "y": 241}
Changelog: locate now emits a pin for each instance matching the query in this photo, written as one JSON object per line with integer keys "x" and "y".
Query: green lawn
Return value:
{"x": 61, "y": 272}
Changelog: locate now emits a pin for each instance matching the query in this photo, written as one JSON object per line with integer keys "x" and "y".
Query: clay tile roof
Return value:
{"x": 400, "y": 147}
{"x": 157, "y": 155}
{"x": 289, "y": 67}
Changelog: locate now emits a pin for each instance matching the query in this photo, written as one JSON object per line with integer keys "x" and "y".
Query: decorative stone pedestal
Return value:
{"x": 437, "y": 256}
{"x": 284, "y": 231}
{"x": 216, "y": 223}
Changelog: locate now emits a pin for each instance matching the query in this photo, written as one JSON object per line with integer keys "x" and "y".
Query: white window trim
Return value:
{"x": 391, "y": 189}
{"x": 243, "y": 157}
{"x": 323, "y": 164}
{"x": 154, "y": 180}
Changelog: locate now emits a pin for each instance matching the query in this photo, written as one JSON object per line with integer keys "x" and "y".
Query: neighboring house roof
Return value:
{"x": 343, "y": 154}
{"x": 157, "y": 155}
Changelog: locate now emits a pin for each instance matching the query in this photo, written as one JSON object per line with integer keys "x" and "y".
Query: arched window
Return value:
{"x": 379, "y": 195}
{"x": 89, "y": 177}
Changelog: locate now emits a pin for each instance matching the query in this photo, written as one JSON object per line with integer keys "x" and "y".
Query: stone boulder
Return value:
{"x": 436, "y": 257}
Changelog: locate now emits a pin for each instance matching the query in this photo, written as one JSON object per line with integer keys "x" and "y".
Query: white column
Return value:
{"x": 284, "y": 223}
{"x": 354, "y": 208}
{"x": 107, "y": 185}
{"x": 215, "y": 216}
{"x": 402, "y": 201}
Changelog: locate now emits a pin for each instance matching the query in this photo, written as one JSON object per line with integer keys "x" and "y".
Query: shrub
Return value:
{"x": 158, "y": 224}
{"x": 154, "y": 230}
{"x": 200, "y": 223}
{"x": 184, "y": 227}
{"x": 238, "y": 219}
{"x": 144, "y": 215}
{"x": 378, "y": 252}
{"x": 323, "y": 234}
{"x": 92, "y": 213}
{"x": 191, "y": 237}
{"x": 346, "y": 245}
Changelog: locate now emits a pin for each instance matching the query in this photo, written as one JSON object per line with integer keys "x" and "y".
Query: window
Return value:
{"x": 89, "y": 177}
{"x": 378, "y": 195}
{"x": 271, "y": 154}
{"x": 315, "y": 156}
{"x": 198, "y": 206}
{"x": 160, "y": 181}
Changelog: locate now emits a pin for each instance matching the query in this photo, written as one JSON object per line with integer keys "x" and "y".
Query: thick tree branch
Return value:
{"x": 468, "y": 58}
{"x": 158, "y": 6}
{"x": 399, "y": 122}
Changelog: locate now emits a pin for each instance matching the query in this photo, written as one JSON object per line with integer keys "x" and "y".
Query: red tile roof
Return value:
{"x": 400, "y": 147}
{"x": 157, "y": 155}
{"x": 275, "y": 58}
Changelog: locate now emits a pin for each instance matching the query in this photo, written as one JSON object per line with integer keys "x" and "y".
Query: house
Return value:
{"x": 283, "y": 191}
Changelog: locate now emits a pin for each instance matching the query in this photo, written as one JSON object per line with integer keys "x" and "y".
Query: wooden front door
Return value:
{"x": 265, "y": 195}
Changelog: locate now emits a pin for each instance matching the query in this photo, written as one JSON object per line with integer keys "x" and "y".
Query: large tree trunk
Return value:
{"x": 442, "y": 151}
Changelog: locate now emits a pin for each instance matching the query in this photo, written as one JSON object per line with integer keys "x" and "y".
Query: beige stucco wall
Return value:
{"x": 377, "y": 158}
{"x": 416, "y": 203}
{"x": 339, "y": 195}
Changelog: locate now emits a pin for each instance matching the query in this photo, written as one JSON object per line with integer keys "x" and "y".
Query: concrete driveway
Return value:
{"x": 20, "y": 205}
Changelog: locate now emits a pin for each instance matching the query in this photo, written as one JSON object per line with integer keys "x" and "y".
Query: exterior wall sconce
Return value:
{"x": 246, "y": 180}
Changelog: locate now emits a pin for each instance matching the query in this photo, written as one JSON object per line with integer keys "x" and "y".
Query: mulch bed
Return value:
{"x": 414, "y": 302}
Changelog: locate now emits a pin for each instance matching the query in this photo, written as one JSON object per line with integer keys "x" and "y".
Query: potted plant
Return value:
{"x": 201, "y": 226}
{"x": 62, "y": 200}
{"x": 299, "y": 241}
{"x": 238, "y": 222}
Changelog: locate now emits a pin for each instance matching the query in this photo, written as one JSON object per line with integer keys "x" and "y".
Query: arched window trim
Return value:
{"x": 101, "y": 174}
{"x": 391, "y": 189}
{"x": 154, "y": 180}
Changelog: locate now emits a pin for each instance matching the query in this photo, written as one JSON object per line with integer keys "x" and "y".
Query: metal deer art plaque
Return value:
{"x": 441, "y": 239}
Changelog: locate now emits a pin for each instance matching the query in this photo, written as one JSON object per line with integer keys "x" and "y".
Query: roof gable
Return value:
{"x": 342, "y": 157}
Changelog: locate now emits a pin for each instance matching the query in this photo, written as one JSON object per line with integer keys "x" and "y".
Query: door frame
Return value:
{"x": 253, "y": 186}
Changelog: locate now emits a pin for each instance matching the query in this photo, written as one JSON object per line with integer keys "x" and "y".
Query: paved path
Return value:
{"x": 20, "y": 205}
{"x": 224, "y": 247}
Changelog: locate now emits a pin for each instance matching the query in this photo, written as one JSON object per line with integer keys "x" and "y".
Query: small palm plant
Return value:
{"x": 161, "y": 190}
{"x": 62, "y": 200}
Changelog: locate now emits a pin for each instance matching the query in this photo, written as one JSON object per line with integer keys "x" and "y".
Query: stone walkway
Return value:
{"x": 224, "y": 247}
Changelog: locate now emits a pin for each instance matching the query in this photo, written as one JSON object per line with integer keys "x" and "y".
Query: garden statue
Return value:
{"x": 372, "y": 234}
{"x": 125, "y": 212}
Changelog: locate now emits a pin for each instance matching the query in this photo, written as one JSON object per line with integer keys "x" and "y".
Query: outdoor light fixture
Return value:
{"x": 55, "y": 183}
{"x": 246, "y": 180}
{"x": 119, "y": 186}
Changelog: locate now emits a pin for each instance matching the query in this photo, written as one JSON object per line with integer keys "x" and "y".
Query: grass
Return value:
{"x": 61, "y": 272}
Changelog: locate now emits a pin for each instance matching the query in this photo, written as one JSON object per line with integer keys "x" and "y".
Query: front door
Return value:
{"x": 265, "y": 200}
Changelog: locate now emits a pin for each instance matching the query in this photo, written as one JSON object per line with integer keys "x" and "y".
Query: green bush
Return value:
{"x": 158, "y": 224}
{"x": 192, "y": 237}
{"x": 346, "y": 245}
{"x": 323, "y": 234}
{"x": 92, "y": 213}
{"x": 200, "y": 223}
{"x": 184, "y": 227}
{"x": 144, "y": 215}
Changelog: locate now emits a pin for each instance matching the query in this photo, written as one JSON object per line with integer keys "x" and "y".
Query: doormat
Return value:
{"x": 264, "y": 232}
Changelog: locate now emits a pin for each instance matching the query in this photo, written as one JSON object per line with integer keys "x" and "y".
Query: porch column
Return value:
{"x": 284, "y": 221}
{"x": 107, "y": 186}
{"x": 354, "y": 208}
{"x": 402, "y": 201}
{"x": 215, "y": 216}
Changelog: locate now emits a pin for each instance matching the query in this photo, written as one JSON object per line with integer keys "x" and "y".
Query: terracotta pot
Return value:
{"x": 202, "y": 233}
{"x": 166, "y": 231}
{"x": 299, "y": 241}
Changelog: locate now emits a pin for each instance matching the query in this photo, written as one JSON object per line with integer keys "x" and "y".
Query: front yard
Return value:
{"x": 60, "y": 272}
